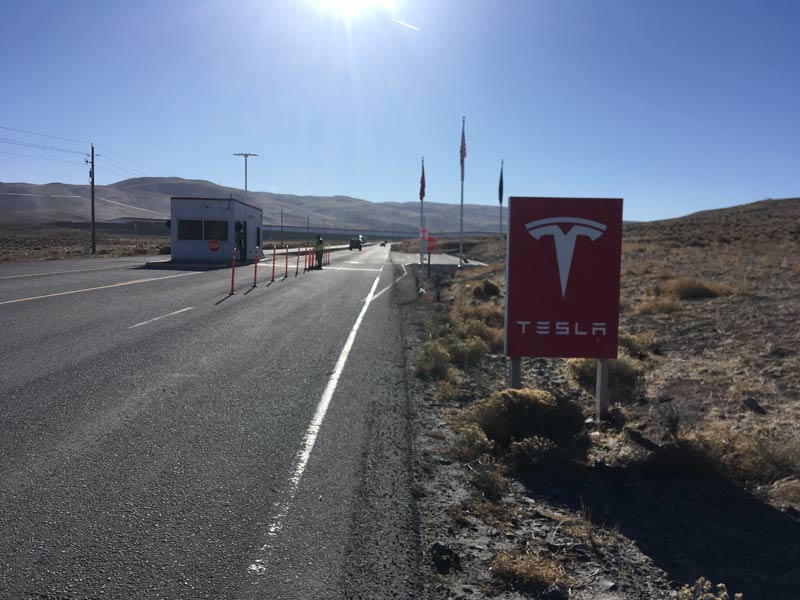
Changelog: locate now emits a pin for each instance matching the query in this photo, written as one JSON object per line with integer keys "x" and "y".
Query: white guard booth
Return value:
{"x": 206, "y": 230}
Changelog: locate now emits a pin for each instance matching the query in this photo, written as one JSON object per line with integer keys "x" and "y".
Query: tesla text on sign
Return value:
{"x": 563, "y": 277}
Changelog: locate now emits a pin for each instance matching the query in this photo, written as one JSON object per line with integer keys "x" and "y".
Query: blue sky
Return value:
{"x": 675, "y": 106}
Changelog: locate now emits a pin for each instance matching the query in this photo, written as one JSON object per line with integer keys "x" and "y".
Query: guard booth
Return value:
{"x": 206, "y": 230}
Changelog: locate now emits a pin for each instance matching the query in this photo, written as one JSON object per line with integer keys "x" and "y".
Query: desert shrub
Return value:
{"x": 448, "y": 390}
{"x": 638, "y": 346}
{"x": 527, "y": 572}
{"x": 534, "y": 452}
{"x": 485, "y": 289}
{"x": 434, "y": 362}
{"x": 140, "y": 250}
{"x": 705, "y": 590}
{"x": 689, "y": 288}
{"x": 165, "y": 250}
{"x": 492, "y": 336}
{"x": 625, "y": 377}
{"x": 467, "y": 352}
{"x": 487, "y": 312}
{"x": 749, "y": 458}
{"x": 512, "y": 415}
{"x": 653, "y": 306}
{"x": 489, "y": 481}
{"x": 471, "y": 443}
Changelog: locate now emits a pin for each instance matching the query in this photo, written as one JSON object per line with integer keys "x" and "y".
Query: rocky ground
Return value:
{"x": 697, "y": 472}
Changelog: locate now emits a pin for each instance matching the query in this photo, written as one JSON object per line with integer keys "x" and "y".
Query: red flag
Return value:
{"x": 463, "y": 149}
{"x": 422, "y": 183}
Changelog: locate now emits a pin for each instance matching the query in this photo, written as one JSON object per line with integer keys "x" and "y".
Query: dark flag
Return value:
{"x": 463, "y": 149}
{"x": 422, "y": 183}
{"x": 500, "y": 187}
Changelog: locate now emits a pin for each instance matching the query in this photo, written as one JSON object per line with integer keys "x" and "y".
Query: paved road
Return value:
{"x": 161, "y": 439}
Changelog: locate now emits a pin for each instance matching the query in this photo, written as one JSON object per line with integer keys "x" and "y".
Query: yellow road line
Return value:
{"x": 102, "y": 287}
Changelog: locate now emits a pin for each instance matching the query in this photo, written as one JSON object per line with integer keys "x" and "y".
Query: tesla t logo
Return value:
{"x": 565, "y": 242}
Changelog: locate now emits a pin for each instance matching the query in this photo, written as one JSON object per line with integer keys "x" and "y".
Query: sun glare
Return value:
{"x": 350, "y": 9}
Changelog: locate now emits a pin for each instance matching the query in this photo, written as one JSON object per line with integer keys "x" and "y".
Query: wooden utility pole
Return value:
{"x": 91, "y": 175}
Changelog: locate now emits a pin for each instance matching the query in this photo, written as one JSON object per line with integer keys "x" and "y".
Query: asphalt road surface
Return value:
{"x": 162, "y": 439}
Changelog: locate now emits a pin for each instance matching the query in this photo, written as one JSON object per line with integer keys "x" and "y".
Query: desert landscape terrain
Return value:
{"x": 695, "y": 479}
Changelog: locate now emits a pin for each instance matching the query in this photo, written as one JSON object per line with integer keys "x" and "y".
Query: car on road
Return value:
{"x": 383, "y": 243}
{"x": 356, "y": 243}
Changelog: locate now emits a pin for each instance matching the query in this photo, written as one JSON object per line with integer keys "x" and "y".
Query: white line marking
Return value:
{"x": 391, "y": 284}
{"x": 61, "y": 272}
{"x": 63, "y": 196}
{"x": 177, "y": 312}
{"x": 18, "y": 194}
{"x": 301, "y": 460}
{"x": 352, "y": 269}
{"x": 102, "y": 287}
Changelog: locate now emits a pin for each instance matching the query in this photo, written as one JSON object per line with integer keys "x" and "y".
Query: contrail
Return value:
{"x": 404, "y": 24}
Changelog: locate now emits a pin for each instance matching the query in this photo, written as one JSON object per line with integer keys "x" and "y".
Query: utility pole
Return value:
{"x": 281, "y": 226}
{"x": 91, "y": 179}
{"x": 246, "y": 156}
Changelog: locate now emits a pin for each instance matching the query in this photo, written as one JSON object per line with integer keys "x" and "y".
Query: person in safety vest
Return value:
{"x": 319, "y": 249}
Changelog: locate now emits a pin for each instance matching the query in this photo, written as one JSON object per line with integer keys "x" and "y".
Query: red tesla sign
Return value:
{"x": 563, "y": 277}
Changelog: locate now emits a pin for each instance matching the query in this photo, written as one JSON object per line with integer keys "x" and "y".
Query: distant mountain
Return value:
{"x": 148, "y": 198}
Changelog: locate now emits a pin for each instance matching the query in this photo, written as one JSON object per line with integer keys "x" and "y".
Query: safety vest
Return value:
{"x": 320, "y": 247}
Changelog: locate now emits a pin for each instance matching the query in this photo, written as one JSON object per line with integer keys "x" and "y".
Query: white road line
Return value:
{"x": 18, "y": 194}
{"x": 352, "y": 269}
{"x": 391, "y": 284}
{"x": 301, "y": 460}
{"x": 102, "y": 287}
{"x": 61, "y": 272}
{"x": 177, "y": 312}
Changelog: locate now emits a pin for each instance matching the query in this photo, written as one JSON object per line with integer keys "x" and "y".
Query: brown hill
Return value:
{"x": 148, "y": 197}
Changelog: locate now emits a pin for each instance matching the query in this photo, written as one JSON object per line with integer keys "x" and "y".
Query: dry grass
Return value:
{"x": 489, "y": 480}
{"x": 511, "y": 415}
{"x": 471, "y": 443}
{"x": 689, "y": 288}
{"x": 626, "y": 377}
{"x": 705, "y": 590}
{"x": 656, "y": 306}
{"x": 750, "y": 458}
{"x": 434, "y": 363}
{"x": 528, "y": 572}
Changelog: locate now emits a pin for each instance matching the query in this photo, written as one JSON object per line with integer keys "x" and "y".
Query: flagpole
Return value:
{"x": 500, "y": 231}
{"x": 463, "y": 154}
{"x": 421, "y": 215}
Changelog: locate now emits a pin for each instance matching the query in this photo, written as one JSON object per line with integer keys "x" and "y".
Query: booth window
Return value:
{"x": 190, "y": 229}
{"x": 215, "y": 230}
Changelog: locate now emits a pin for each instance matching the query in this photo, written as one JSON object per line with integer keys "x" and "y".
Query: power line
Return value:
{"x": 55, "y": 137}
{"x": 69, "y": 162}
{"x": 40, "y": 146}
{"x": 126, "y": 158}
{"x": 125, "y": 167}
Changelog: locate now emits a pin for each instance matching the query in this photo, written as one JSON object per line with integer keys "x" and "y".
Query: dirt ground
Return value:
{"x": 697, "y": 474}
{"x": 33, "y": 241}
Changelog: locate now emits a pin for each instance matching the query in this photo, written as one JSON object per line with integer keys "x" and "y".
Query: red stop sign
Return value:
{"x": 431, "y": 244}
{"x": 213, "y": 245}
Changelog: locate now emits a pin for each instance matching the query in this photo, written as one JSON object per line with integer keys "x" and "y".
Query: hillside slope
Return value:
{"x": 148, "y": 197}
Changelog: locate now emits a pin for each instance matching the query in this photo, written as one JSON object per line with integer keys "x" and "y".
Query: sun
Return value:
{"x": 350, "y": 9}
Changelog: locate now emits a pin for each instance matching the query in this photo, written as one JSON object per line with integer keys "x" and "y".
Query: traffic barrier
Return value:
{"x": 233, "y": 270}
{"x": 255, "y": 269}
{"x": 305, "y": 256}
{"x": 297, "y": 263}
{"x": 273, "y": 263}
{"x": 286, "y": 271}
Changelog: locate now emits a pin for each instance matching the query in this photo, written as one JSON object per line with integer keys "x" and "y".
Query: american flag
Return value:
{"x": 422, "y": 183}
{"x": 463, "y": 149}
